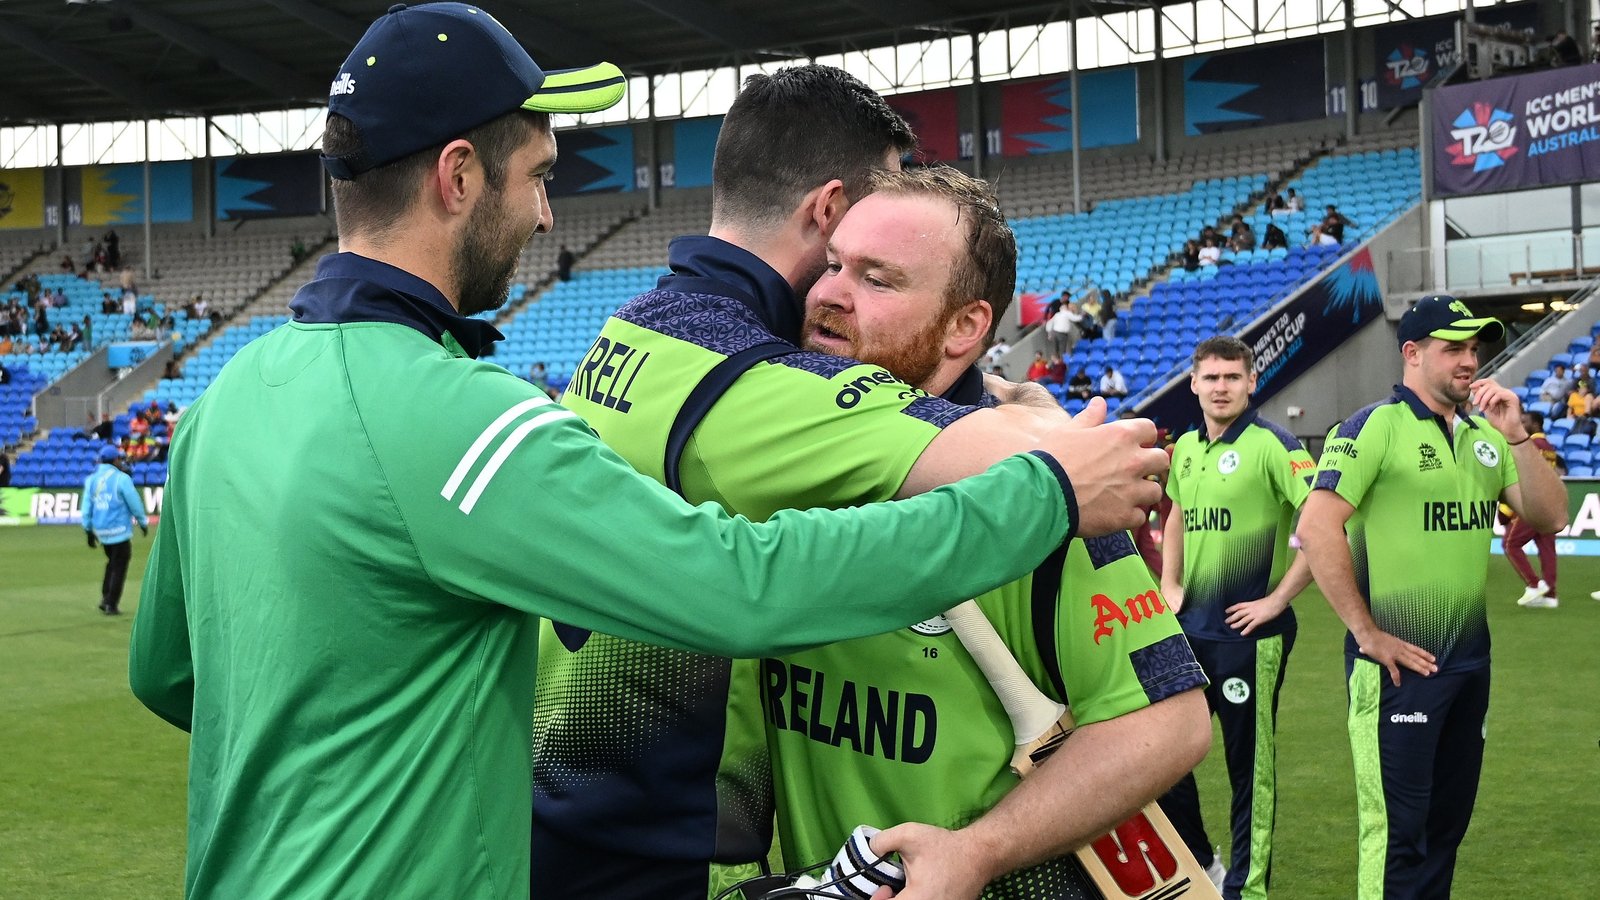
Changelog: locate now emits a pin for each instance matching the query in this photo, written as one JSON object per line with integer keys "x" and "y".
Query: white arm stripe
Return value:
{"x": 505, "y": 449}
{"x": 488, "y": 435}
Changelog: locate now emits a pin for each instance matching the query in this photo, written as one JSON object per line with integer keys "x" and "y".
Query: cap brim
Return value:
{"x": 586, "y": 90}
{"x": 1487, "y": 328}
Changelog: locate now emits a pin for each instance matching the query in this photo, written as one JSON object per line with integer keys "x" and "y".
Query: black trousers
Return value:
{"x": 117, "y": 556}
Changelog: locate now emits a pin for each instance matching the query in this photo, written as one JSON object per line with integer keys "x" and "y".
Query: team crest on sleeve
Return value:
{"x": 932, "y": 627}
{"x": 1228, "y": 462}
{"x": 1486, "y": 453}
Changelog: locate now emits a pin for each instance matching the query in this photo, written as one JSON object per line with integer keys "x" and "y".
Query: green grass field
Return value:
{"x": 91, "y": 802}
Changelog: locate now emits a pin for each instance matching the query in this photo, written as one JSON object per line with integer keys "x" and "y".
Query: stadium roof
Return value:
{"x": 99, "y": 60}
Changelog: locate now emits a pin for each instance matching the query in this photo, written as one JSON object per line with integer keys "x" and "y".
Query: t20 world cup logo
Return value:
{"x": 1407, "y": 67}
{"x": 1484, "y": 136}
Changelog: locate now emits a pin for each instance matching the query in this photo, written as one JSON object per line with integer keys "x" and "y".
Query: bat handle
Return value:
{"x": 1032, "y": 714}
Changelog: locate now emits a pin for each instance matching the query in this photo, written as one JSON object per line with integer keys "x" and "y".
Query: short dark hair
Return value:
{"x": 988, "y": 270}
{"x": 795, "y": 130}
{"x": 374, "y": 200}
{"x": 1225, "y": 346}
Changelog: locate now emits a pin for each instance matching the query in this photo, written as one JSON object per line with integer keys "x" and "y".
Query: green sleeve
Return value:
{"x": 1353, "y": 456}
{"x": 786, "y": 437}
{"x": 1292, "y": 473}
{"x": 1116, "y": 647}
{"x": 559, "y": 525}
{"x": 160, "y": 669}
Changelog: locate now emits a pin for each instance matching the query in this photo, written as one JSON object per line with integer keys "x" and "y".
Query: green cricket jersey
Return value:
{"x": 659, "y": 752}
{"x": 1425, "y": 503}
{"x": 1239, "y": 494}
{"x": 903, "y": 727}
{"x": 358, "y": 522}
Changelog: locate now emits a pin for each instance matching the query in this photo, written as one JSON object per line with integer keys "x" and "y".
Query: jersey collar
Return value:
{"x": 349, "y": 287}
{"x": 754, "y": 283}
{"x": 1231, "y": 434}
{"x": 968, "y": 390}
{"x": 1421, "y": 410}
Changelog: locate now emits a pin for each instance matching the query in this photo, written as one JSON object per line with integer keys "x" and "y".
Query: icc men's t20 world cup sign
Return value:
{"x": 1509, "y": 134}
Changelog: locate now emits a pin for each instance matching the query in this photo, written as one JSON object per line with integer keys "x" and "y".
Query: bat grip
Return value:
{"x": 1032, "y": 714}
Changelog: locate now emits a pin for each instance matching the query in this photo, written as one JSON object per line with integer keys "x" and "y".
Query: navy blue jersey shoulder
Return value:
{"x": 1284, "y": 436}
{"x": 715, "y": 322}
{"x": 1350, "y": 428}
{"x": 353, "y": 288}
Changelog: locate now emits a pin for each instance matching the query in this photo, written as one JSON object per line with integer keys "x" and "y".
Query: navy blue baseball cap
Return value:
{"x": 1447, "y": 319}
{"x": 110, "y": 453}
{"x": 424, "y": 75}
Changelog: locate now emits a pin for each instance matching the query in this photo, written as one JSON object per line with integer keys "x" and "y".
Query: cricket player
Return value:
{"x": 918, "y": 273}
{"x": 652, "y": 764}
{"x": 1397, "y": 529}
{"x": 110, "y": 507}
{"x": 363, "y": 520}
{"x": 1541, "y": 590}
{"x": 1228, "y": 569}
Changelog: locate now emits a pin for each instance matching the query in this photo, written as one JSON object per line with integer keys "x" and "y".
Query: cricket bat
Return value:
{"x": 1141, "y": 859}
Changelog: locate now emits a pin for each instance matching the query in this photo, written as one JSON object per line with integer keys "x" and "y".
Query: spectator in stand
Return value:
{"x": 41, "y": 321}
{"x": 1208, "y": 232}
{"x": 1557, "y": 385}
{"x": 1211, "y": 251}
{"x": 1081, "y": 385}
{"x": 1108, "y": 318}
{"x": 172, "y": 371}
{"x": 113, "y": 249}
{"x": 1062, "y": 331}
{"x": 1039, "y": 368}
{"x": 1564, "y": 50}
{"x": 87, "y": 330}
{"x": 564, "y": 261}
{"x": 107, "y": 305}
{"x": 1583, "y": 377}
{"x": 1058, "y": 371}
{"x": 5, "y": 374}
{"x": 130, "y": 304}
{"x": 1319, "y": 237}
{"x": 101, "y": 431}
{"x": 1334, "y": 222}
{"x": 540, "y": 378}
{"x": 1295, "y": 203}
{"x": 1275, "y": 204}
{"x": 297, "y": 251}
{"x": 1191, "y": 255}
{"x": 5, "y": 469}
{"x": 1274, "y": 239}
{"x": 1243, "y": 237}
{"x": 72, "y": 338}
{"x": 1112, "y": 383}
{"x": 1594, "y": 354}
{"x": 66, "y": 264}
{"x": 997, "y": 352}
{"x": 126, "y": 280}
{"x": 1581, "y": 406}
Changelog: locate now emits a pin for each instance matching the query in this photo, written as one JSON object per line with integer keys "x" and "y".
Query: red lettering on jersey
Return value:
{"x": 1135, "y": 856}
{"x": 1106, "y": 613}
{"x": 1295, "y": 465}
{"x": 1145, "y": 606}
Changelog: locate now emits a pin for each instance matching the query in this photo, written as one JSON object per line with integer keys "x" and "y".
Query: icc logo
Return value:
{"x": 1484, "y": 136}
{"x": 1406, "y": 67}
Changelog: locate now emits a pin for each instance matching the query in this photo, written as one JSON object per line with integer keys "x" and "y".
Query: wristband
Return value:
{"x": 1523, "y": 441}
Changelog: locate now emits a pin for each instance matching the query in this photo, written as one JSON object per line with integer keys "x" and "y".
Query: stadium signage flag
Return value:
{"x": 1292, "y": 338}
{"x": 1582, "y": 536}
{"x": 1409, "y": 54}
{"x": 1511, "y": 134}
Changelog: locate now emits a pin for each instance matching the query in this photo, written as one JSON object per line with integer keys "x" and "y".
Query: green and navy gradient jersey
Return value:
{"x": 1425, "y": 507}
{"x": 660, "y": 751}
{"x": 1239, "y": 494}
{"x": 903, "y": 727}
{"x": 359, "y": 526}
